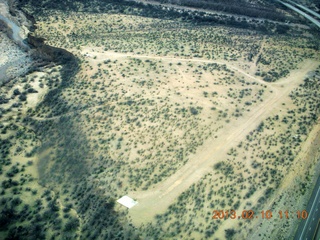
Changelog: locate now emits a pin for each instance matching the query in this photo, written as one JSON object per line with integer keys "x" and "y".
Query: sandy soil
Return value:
{"x": 157, "y": 201}
{"x": 104, "y": 55}
{"x": 306, "y": 162}
{"x": 215, "y": 149}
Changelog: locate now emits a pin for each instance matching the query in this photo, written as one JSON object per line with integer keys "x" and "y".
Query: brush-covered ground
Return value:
{"x": 185, "y": 118}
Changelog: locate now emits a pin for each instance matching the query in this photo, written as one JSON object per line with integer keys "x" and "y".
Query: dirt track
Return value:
{"x": 161, "y": 196}
{"x": 103, "y": 55}
{"x": 158, "y": 199}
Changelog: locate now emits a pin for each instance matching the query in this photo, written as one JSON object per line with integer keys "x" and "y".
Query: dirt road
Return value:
{"x": 104, "y": 55}
{"x": 162, "y": 195}
{"x": 157, "y": 200}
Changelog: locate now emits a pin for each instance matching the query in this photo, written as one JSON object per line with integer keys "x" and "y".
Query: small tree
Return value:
{"x": 230, "y": 233}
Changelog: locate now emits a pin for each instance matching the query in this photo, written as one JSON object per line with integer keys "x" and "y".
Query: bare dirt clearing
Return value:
{"x": 101, "y": 55}
{"x": 184, "y": 118}
{"x": 162, "y": 195}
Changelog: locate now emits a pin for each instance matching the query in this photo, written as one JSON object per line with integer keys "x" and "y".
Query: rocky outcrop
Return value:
{"x": 49, "y": 53}
{"x": 26, "y": 50}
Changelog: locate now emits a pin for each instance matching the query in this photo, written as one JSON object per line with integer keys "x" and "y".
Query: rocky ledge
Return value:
{"x": 22, "y": 52}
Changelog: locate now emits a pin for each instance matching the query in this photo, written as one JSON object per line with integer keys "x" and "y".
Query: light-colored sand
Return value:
{"x": 158, "y": 199}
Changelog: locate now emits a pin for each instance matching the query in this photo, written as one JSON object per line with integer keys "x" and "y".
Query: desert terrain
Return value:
{"x": 185, "y": 118}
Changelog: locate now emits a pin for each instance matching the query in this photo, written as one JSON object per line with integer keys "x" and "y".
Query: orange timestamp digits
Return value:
{"x": 250, "y": 214}
{"x": 220, "y": 214}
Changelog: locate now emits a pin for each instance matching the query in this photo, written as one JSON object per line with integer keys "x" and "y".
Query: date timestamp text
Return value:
{"x": 250, "y": 214}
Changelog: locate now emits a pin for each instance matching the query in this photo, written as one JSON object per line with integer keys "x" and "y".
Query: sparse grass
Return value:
{"x": 149, "y": 94}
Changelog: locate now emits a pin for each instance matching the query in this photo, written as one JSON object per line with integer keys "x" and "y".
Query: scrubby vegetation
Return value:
{"x": 143, "y": 98}
{"x": 254, "y": 170}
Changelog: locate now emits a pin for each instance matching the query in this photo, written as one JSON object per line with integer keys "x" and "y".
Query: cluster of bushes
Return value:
{"x": 243, "y": 7}
{"x": 155, "y": 11}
